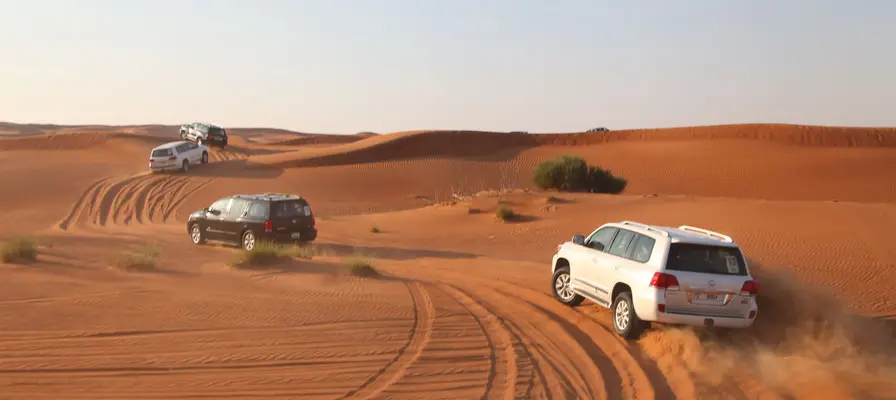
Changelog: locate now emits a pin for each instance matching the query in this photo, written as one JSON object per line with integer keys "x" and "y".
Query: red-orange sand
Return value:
{"x": 465, "y": 312}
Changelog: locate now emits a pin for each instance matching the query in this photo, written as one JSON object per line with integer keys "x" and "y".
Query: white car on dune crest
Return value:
{"x": 177, "y": 155}
{"x": 648, "y": 273}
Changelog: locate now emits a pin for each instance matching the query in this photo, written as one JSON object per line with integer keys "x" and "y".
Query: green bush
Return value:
{"x": 374, "y": 229}
{"x": 505, "y": 213}
{"x": 18, "y": 249}
{"x": 571, "y": 174}
{"x": 360, "y": 266}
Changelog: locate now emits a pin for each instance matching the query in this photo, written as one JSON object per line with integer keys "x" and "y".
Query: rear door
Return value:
{"x": 291, "y": 217}
{"x": 710, "y": 278}
{"x": 162, "y": 158}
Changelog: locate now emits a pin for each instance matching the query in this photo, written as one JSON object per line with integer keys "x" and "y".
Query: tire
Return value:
{"x": 560, "y": 288}
{"x": 224, "y": 143}
{"x": 247, "y": 241}
{"x": 204, "y": 157}
{"x": 183, "y": 135}
{"x": 185, "y": 166}
{"x": 625, "y": 321}
{"x": 196, "y": 234}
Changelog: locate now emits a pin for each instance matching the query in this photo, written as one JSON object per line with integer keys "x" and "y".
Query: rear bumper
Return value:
{"x": 701, "y": 320}
{"x": 165, "y": 168}
{"x": 305, "y": 235}
{"x": 647, "y": 302}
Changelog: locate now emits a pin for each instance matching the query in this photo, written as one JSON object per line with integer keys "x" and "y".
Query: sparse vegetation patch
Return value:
{"x": 265, "y": 253}
{"x": 140, "y": 260}
{"x": 505, "y": 213}
{"x": 18, "y": 249}
{"x": 569, "y": 173}
{"x": 360, "y": 266}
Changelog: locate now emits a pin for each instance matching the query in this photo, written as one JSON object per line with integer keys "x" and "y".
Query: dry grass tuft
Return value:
{"x": 19, "y": 249}
{"x": 360, "y": 266}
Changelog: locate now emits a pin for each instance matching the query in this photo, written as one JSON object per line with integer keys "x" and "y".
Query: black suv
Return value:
{"x": 247, "y": 218}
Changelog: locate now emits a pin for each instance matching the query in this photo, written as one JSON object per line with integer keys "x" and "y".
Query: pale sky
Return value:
{"x": 343, "y": 66}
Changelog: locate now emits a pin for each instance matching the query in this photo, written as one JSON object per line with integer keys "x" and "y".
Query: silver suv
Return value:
{"x": 203, "y": 133}
{"x": 644, "y": 273}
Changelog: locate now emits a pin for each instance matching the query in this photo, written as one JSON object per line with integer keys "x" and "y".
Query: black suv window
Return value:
{"x": 707, "y": 259}
{"x": 258, "y": 210}
{"x": 238, "y": 207}
{"x": 289, "y": 209}
{"x": 215, "y": 131}
{"x": 220, "y": 205}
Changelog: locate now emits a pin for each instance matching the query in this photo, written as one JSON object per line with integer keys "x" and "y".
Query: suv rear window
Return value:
{"x": 707, "y": 259}
{"x": 162, "y": 153}
{"x": 216, "y": 132}
{"x": 290, "y": 209}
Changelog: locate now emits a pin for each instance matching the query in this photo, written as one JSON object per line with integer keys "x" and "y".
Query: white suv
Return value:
{"x": 645, "y": 273}
{"x": 177, "y": 155}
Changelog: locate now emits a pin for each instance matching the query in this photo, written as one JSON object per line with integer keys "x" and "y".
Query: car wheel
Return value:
{"x": 196, "y": 234}
{"x": 183, "y": 136}
{"x": 224, "y": 143}
{"x": 561, "y": 288}
{"x": 248, "y": 242}
{"x": 185, "y": 166}
{"x": 625, "y": 321}
{"x": 204, "y": 157}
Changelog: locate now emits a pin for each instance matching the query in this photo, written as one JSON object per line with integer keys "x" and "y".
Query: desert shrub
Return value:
{"x": 473, "y": 210}
{"x": 18, "y": 249}
{"x": 305, "y": 252}
{"x": 141, "y": 259}
{"x": 360, "y": 266}
{"x": 505, "y": 213}
{"x": 569, "y": 173}
{"x": 374, "y": 229}
{"x": 264, "y": 253}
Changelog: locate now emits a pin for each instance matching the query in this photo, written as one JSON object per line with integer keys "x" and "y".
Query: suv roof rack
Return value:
{"x": 707, "y": 232}
{"x": 645, "y": 226}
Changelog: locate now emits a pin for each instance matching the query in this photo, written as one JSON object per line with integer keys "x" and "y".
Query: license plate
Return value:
{"x": 295, "y": 235}
{"x": 708, "y": 297}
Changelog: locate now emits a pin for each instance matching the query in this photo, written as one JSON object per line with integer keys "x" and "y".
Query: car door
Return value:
{"x": 232, "y": 222}
{"x": 589, "y": 261}
{"x": 615, "y": 260}
{"x": 194, "y": 152}
{"x": 214, "y": 217}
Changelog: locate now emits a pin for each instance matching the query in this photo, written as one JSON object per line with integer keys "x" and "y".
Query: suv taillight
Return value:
{"x": 268, "y": 226}
{"x": 750, "y": 288}
{"x": 664, "y": 281}
{"x": 172, "y": 158}
{"x": 313, "y": 221}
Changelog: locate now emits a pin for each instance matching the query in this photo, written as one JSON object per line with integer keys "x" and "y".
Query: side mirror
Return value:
{"x": 579, "y": 240}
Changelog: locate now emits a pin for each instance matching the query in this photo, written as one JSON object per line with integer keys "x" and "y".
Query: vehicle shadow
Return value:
{"x": 238, "y": 168}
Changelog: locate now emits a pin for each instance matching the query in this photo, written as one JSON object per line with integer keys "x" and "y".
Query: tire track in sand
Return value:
{"x": 574, "y": 355}
{"x": 421, "y": 331}
{"x": 510, "y": 358}
{"x": 141, "y": 198}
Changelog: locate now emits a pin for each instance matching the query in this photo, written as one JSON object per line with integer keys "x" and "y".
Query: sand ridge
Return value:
{"x": 465, "y": 309}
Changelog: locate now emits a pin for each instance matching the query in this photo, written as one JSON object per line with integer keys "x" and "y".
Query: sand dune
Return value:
{"x": 464, "y": 311}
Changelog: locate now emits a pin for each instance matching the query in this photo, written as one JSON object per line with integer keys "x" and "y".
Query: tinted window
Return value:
{"x": 220, "y": 205}
{"x": 643, "y": 248}
{"x": 601, "y": 239}
{"x": 706, "y": 259}
{"x": 202, "y": 128}
{"x": 216, "y": 132}
{"x": 289, "y": 209}
{"x": 238, "y": 207}
{"x": 621, "y": 243}
{"x": 258, "y": 210}
{"x": 162, "y": 153}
